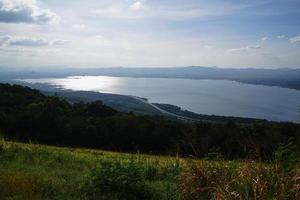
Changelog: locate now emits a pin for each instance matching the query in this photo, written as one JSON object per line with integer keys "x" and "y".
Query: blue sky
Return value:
{"x": 150, "y": 33}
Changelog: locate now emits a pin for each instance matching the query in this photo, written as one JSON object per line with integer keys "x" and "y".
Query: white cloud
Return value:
{"x": 111, "y": 12}
{"x": 8, "y": 40}
{"x": 237, "y": 49}
{"x": 208, "y": 47}
{"x": 264, "y": 38}
{"x": 136, "y": 6}
{"x": 160, "y": 12}
{"x": 58, "y": 42}
{"x": 79, "y": 27}
{"x": 99, "y": 37}
{"x": 253, "y": 47}
{"x": 295, "y": 39}
{"x": 247, "y": 48}
{"x": 4, "y": 39}
{"x": 24, "y": 41}
{"x": 281, "y": 37}
{"x": 122, "y": 11}
{"x": 25, "y": 11}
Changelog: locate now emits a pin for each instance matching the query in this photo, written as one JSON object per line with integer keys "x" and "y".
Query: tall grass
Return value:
{"x": 278, "y": 180}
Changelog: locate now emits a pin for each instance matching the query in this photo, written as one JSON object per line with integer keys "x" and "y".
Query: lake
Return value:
{"x": 217, "y": 97}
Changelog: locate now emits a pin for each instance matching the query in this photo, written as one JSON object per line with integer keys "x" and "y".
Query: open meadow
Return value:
{"x": 31, "y": 171}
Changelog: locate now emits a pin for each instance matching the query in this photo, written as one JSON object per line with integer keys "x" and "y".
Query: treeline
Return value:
{"x": 28, "y": 115}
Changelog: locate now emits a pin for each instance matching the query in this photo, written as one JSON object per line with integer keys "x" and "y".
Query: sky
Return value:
{"x": 150, "y": 33}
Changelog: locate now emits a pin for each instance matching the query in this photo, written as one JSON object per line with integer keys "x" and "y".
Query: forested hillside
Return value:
{"x": 27, "y": 115}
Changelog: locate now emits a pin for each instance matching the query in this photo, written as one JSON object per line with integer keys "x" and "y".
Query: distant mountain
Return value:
{"x": 285, "y": 77}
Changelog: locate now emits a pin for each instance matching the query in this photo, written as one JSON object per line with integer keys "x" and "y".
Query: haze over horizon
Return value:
{"x": 144, "y": 33}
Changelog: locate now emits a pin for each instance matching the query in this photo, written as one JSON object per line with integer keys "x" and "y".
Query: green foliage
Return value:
{"x": 286, "y": 156}
{"x": 125, "y": 180}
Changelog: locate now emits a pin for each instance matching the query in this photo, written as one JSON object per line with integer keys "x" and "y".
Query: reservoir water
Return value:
{"x": 217, "y": 97}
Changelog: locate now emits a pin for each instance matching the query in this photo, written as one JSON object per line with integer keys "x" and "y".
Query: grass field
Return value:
{"x": 31, "y": 171}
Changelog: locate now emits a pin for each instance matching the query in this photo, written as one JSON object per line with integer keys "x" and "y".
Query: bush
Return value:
{"x": 117, "y": 180}
{"x": 286, "y": 157}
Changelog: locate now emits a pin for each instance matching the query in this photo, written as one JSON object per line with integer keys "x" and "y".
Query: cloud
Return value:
{"x": 125, "y": 11}
{"x": 99, "y": 37}
{"x": 264, "y": 38}
{"x": 295, "y": 39}
{"x": 122, "y": 11}
{"x": 207, "y": 47}
{"x": 4, "y": 40}
{"x": 117, "y": 12}
{"x": 25, "y": 11}
{"x": 136, "y": 6}
{"x": 58, "y": 42}
{"x": 253, "y": 47}
{"x": 247, "y": 48}
{"x": 109, "y": 13}
{"x": 79, "y": 27}
{"x": 281, "y": 37}
{"x": 23, "y": 41}
{"x": 8, "y": 40}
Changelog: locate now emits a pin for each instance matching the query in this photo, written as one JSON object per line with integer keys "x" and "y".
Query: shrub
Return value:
{"x": 116, "y": 179}
{"x": 286, "y": 157}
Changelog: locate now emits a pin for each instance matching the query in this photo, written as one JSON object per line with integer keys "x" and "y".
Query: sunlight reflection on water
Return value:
{"x": 103, "y": 84}
{"x": 218, "y": 97}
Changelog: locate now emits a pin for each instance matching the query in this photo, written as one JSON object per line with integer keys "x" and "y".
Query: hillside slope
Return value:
{"x": 31, "y": 171}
